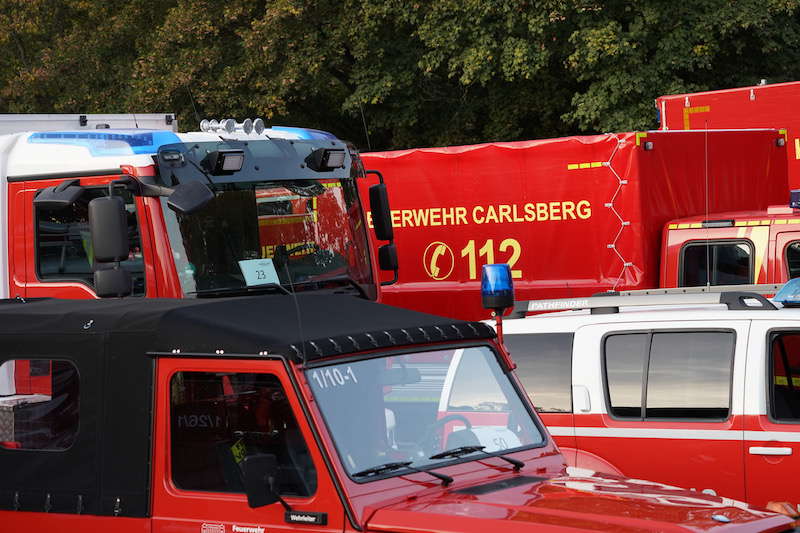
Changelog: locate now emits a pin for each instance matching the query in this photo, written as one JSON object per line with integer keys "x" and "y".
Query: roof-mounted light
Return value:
{"x": 220, "y": 162}
{"x": 497, "y": 289}
{"x": 325, "y": 159}
{"x": 229, "y": 125}
{"x": 789, "y": 295}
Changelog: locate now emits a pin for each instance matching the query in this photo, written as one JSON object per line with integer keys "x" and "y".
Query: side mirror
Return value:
{"x": 381, "y": 214}
{"x": 108, "y": 225}
{"x": 387, "y": 257}
{"x": 190, "y": 197}
{"x": 112, "y": 282}
{"x": 260, "y": 474}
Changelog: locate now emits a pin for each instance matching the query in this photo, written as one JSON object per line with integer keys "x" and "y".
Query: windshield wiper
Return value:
{"x": 231, "y": 291}
{"x": 466, "y": 450}
{"x": 341, "y": 280}
{"x": 389, "y": 467}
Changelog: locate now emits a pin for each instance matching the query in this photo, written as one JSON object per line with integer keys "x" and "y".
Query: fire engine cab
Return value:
{"x": 695, "y": 387}
{"x": 232, "y": 209}
{"x": 278, "y": 412}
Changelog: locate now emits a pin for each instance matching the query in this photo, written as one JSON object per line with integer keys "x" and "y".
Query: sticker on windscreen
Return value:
{"x": 258, "y": 272}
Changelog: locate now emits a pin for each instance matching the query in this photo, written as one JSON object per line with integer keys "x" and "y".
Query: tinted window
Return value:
{"x": 729, "y": 261}
{"x": 625, "y": 357}
{"x": 785, "y": 376}
{"x": 38, "y": 404}
{"x": 690, "y": 375}
{"x": 64, "y": 247}
{"x": 219, "y": 419}
{"x": 793, "y": 259}
{"x": 544, "y": 365}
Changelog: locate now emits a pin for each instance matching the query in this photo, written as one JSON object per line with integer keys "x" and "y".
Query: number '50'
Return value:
{"x": 487, "y": 251}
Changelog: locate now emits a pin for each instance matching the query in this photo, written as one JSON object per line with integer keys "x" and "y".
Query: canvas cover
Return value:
{"x": 572, "y": 216}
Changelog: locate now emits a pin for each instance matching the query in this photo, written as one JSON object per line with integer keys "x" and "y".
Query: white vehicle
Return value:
{"x": 694, "y": 389}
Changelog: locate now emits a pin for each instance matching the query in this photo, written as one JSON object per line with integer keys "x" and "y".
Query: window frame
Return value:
{"x": 646, "y": 369}
{"x": 90, "y": 285}
{"x": 287, "y": 391}
{"x": 699, "y": 242}
{"x": 769, "y": 376}
{"x": 77, "y": 433}
{"x": 786, "y": 257}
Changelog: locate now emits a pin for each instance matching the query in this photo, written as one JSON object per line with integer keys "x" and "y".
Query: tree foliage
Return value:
{"x": 416, "y": 73}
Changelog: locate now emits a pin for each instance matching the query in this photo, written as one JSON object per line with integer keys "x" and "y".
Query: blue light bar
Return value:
{"x": 109, "y": 142}
{"x": 789, "y": 295}
{"x": 497, "y": 289}
{"x": 305, "y": 133}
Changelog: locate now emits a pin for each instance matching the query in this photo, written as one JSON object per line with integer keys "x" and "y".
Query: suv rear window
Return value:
{"x": 669, "y": 374}
{"x": 785, "y": 376}
{"x": 544, "y": 365}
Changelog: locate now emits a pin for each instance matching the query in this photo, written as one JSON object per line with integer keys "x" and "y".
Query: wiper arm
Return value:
{"x": 389, "y": 467}
{"x": 466, "y": 450}
{"x": 227, "y": 291}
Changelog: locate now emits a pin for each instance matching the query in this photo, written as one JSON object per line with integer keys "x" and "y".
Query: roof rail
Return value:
{"x": 735, "y": 297}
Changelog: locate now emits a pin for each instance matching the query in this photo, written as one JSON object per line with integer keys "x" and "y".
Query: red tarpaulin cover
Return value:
{"x": 572, "y": 216}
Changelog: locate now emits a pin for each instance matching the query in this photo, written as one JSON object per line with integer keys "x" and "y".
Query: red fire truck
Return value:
{"x": 280, "y": 412}
{"x": 759, "y": 106}
{"x": 571, "y": 216}
{"x": 232, "y": 209}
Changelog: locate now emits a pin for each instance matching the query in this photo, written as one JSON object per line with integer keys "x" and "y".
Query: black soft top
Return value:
{"x": 310, "y": 325}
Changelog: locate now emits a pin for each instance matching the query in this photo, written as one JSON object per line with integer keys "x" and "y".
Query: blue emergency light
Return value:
{"x": 789, "y": 295}
{"x": 497, "y": 289}
{"x": 101, "y": 143}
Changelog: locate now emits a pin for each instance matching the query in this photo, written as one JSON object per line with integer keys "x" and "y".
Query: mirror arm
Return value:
{"x": 377, "y": 173}
{"x": 391, "y": 281}
{"x": 147, "y": 187}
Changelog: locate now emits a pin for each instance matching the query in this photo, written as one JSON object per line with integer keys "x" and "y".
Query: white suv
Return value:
{"x": 699, "y": 390}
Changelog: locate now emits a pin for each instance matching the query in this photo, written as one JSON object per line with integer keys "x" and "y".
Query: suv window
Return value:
{"x": 38, "y": 404}
{"x": 64, "y": 247}
{"x": 680, "y": 374}
{"x": 730, "y": 263}
{"x": 785, "y": 376}
{"x": 219, "y": 418}
{"x": 544, "y": 366}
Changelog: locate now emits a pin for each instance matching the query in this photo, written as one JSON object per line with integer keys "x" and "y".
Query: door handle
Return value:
{"x": 769, "y": 450}
{"x": 581, "y": 401}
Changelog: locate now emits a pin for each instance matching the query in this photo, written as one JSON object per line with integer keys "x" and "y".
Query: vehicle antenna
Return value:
{"x": 297, "y": 311}
{"x": 705, "y": 178}
{"x": 191, "y": 99}
{"x": 135, "y": 122}
{"x": 364, "y": 122}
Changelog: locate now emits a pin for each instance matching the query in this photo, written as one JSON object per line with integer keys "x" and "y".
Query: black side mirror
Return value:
{"x": 190, "y": 197}
{"x": 62, "y": 195}
{"x": 387, "y": 257}
{"x": 112, "y": 282}
{"x": 381, "y": 214}
{"x": 108, "y": 224}
{"x": 260, "y": 474}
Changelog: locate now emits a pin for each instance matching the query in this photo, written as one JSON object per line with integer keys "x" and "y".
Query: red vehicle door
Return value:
{"x": 772, "y": 431}
{"x": 51, "y": 250}
{"x": 210, "y": 415}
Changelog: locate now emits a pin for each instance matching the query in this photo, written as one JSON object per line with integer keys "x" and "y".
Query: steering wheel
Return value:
{"x": 430, "y": 442}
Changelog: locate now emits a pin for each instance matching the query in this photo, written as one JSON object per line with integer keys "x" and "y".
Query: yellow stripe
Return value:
{"x": 330, "y": 185}
{"x": 760, "y": 238}
{"x": 573, "y": 166}
{"x": 277, "y": 221}
{"x": 740, "y": 223}
{"x": 753, "y": 223}
{"x": 793, "y": 221}
{"x": 684, "y": 226}
{"x": 765, "y": 222}
{"x": 797, "y": 148}
{"x": 781, "y": 380}
{"x": 696, "y": 225}
{"x": 779, "y": 221}
{"x": 691, "y": 110}
{"x": 673, "y": 226}
{"x": 590, "y": 164}
{"x": 597, "y": 164}
{"x": 639, "y": 136}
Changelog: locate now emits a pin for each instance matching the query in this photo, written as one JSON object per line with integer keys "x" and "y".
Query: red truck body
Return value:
{"x": 571, "y": 216}
{"x": 759, "y": 106}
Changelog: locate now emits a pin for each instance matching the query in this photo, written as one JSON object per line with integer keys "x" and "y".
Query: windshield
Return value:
{"x": 406, "y": 408}
{"x": 291, "y": 232}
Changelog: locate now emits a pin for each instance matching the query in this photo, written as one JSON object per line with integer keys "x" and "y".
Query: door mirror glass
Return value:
{"x": 108, "y": 225}
{"x": 190, "y": 197}
{"x": 387, "y": 257}
{"x": 381, "y": 214}
{"x": 114, "y": 282}
{"x": 260, "y": 473}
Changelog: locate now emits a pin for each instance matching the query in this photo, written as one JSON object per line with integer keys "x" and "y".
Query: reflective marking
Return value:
{"x": 590, "y": 164}
{"x": 797, "y": 148}
{"x": 690, "y": 110}
{"x": 639, "y": 136}
{"x": 768, "y": 450}
{"x": 780, "y": 436}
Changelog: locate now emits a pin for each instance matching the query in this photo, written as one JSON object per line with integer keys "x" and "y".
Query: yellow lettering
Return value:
{"x": 395, "y": 218}
{"x": 448, "y": 216}
{"x": 436, "y": 215}
{"x": 555, "y": 211}
{"x": 517, "y": 218}
{"x": 530, "y": 212}
{"x": 568, "y": 209}
{"x": 584, "y": 209}
{"x": 505, "y": 213}
{"x": 475, "y": 210}
{"x": 541, "y": 211}
{"x": 369, "y": 219}
{"x": 420, "y": 217}
{"x": 407, "y": 214}
{"x": 491, "y": 214}
{"x": 461, "y": 215}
